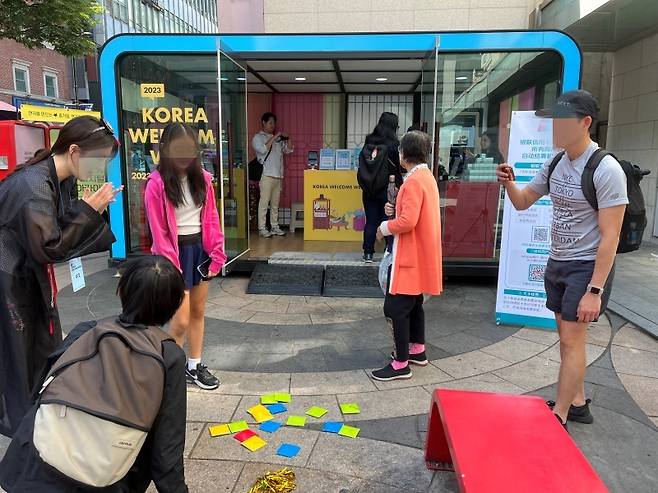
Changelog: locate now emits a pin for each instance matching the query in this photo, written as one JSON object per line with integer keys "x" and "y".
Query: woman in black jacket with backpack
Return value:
{"x": 379, "y": 159}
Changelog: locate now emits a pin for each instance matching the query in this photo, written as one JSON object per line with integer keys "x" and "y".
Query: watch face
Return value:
{"x": 594, "y": 290}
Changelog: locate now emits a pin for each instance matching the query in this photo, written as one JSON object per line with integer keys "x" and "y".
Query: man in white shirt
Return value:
{"x": 584, "y": 241}
{"x": 270, "y": 147}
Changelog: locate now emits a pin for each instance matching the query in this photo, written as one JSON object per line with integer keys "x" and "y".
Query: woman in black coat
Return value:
{"x": 41, "y": 223}
{"x": 384, "y": 134}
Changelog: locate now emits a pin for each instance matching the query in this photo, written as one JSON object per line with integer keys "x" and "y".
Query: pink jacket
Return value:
{"x": 161, "y": 215}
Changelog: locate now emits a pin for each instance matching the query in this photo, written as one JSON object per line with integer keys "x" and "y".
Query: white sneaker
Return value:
{"x": 265, "y": 233}
{"x": 277, "y": 231}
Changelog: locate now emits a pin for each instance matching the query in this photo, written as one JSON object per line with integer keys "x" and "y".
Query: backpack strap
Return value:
{"x": 587, "y": 178}
{"x": 551, "y": 168}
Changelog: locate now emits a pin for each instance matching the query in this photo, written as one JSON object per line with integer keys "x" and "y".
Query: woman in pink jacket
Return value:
{"x": 416, "y": 269}
{"x": 184, "y": 223}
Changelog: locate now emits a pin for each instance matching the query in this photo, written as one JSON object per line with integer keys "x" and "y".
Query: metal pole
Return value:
{"x": 75, "y": 83}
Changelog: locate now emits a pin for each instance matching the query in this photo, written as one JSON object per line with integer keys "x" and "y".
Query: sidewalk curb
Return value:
{"x": 639, "y": 321}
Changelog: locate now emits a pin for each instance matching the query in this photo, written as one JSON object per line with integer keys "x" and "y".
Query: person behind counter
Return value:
{"x": 43, "y": 222}
{"x": 489, "y": 148}
{"x": 270, "y": 146}
{"x": 182, "y": 214}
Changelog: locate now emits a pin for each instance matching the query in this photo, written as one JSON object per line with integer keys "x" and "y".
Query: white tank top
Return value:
{"x": 188, "y": 215}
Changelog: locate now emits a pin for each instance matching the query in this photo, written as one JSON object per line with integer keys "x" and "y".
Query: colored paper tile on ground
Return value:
{"x": 332, "y": 427}
{"x": 268, "y": 399}
{"x": 254, "y": 443}
{"x": 350, "y": 408}
{"x": 244, "y": 435}
{"x": 349, "y": 431}
{"x": 260, "y": 413}
{"x": 238, "y": 426}
{"x": 296, "y": 421}
{"x": 283, "y": 397}
{"x": 317, "y": 412}
{"x": 219, "y": 430}
{"x": 270, "y": 426}
{"x": 288, "y": 450}
{"x": 276, "y": 408}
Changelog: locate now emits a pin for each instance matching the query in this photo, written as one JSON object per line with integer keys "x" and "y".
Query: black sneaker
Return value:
{"x": 564, "y": 424}
{"x": 419, "y": 359}
{"x": 367, "y": 258}
{"x": 389, "y": 373}
{"x": 202, "y": 377}
{"x": 578, "y": 414}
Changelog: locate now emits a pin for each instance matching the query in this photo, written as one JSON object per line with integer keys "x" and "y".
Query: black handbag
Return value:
{"x": 255, "y": 167}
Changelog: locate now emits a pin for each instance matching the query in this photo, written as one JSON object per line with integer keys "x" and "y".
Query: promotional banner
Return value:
{"x": 333, "y": 206}
{"x": 521, "y": 299}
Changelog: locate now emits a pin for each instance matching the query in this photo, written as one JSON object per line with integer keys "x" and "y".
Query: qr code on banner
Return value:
{"x": 539, "y": 234}
{"x": 536, "y": 272}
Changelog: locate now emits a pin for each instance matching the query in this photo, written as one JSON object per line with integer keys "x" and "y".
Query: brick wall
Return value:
{"x": 633, "y": 118}
{"x": 37, "y": 61}
{"x": 394, "y": 15}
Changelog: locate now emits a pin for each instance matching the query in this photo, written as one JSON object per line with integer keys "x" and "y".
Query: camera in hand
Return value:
{"x": 283, "y": 137}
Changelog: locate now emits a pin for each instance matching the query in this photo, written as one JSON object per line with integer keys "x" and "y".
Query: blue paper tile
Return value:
{"x": 332, "y": 427}
{"x": 277, "y": 408}
{"x": 288, "y": 450}
{"x": 270, "y": 426}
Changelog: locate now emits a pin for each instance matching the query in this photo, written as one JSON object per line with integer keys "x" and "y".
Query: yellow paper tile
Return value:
{"x": 219, "y": 430}
{"x": 254, "y": 443}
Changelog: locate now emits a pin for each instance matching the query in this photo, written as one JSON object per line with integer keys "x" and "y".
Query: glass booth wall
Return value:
{"x": 160, "y": 89}
{"x": 475, "y": 96}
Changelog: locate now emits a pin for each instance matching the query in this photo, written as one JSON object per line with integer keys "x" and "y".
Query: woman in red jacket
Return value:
{"x": 416, "y": 269}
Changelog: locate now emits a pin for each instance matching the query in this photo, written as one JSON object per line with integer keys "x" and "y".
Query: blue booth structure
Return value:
{"x": 454, "y": 85}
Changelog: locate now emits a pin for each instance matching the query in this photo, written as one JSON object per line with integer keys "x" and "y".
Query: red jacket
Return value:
{"x": 161, "y": 215}
{"x": 417, "y": 229}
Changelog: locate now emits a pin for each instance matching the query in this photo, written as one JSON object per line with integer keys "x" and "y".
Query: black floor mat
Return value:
{"x": 352, "y": 281}
{"x": 293, "y": 280}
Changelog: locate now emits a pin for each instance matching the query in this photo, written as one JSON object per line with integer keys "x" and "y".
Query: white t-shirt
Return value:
{"x": 575, "y": 231}
{"x": 188, "y": 215}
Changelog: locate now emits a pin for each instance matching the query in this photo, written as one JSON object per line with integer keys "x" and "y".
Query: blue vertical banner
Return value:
{"x": 525, "y": 245}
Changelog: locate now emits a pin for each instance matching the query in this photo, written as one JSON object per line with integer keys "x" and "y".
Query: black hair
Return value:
{"x": 151, "y": 289}
{"x": 167, "y": 169}
{"x": 266, "y": 117}
{"x": 41, "y": 151}
{"x": 386, "y": 128}
{"x": 83, "y": 131}
{"x": 415, "y": 147}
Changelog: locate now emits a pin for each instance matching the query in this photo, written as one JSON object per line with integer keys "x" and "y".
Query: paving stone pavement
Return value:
{"x": 325, "y": 362}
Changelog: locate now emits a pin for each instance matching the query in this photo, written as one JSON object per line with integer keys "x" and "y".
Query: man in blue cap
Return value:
{"x": 584, "y": 240}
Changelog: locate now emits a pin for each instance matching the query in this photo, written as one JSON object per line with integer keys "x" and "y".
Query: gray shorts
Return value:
{"x": 566, "y": 283}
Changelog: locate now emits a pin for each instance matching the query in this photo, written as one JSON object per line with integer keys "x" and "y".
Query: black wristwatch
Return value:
{"x": 594, "y": 290}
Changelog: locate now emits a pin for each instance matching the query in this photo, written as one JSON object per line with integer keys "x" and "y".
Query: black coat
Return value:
{"x": 161, "y": 457}
{"x": 41, "y": 222}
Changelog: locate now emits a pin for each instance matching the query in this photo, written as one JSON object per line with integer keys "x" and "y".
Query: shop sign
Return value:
{"x": 333, "y": 206}
{"x": 525, "y": 245}
{"x": 35, "y": 113}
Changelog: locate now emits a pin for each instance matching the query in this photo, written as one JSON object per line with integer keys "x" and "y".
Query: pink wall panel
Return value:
{"x": 302, "y": 117}
{"x": 257, "y": 104}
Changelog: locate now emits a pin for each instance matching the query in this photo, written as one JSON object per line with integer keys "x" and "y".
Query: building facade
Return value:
{"x": 142, "y": 16}
{"x": 619, "y": 40}
{"x": 33, "y": 76}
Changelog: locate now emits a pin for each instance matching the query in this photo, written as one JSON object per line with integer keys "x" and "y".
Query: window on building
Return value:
{"x": 121, "y": 10}
{"x": 21, "y": 78}
{"x": 50, "y": 88}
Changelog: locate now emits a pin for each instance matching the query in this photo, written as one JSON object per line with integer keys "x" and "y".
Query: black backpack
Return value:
{"x": 373, "y": 171}
{"x": 635, "y": 217}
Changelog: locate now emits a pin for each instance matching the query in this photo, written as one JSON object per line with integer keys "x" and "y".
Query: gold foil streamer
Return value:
{"x": 281, "y": 481}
